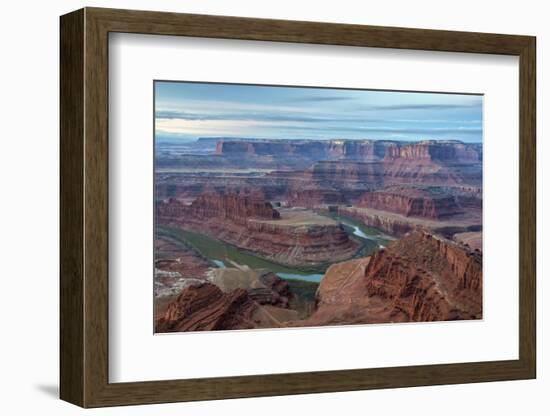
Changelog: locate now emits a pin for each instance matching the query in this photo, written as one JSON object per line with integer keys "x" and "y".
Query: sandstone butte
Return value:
{"x": 251, "y": 223}
{"x": 416, "y": 279}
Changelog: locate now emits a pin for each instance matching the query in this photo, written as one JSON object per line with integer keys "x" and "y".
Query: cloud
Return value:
{"x": 255, "y": 116}
{"x": 393, "y": 107}
{"x": 168, "y": 114}
{"x": 201, "y": 127}
{"x": 393, "y": 130}
{"x": 289, "y": 117}
{"x": 256, "y": 126}
{"x": 319, "y": 99}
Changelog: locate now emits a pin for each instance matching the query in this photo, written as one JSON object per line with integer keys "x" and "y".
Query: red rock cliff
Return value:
{"x": 235, "y": 207}
{"x": 206, "y": 308}
{"x": 360, "y": 150}
{"x": 442, "y": 151}
{"x": 302, "y": 238}
{"x": 412, "y": 203}
{"x": 418, "y": 278}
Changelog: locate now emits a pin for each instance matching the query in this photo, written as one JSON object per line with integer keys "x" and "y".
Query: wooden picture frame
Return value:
{"x": 84, "y": 207}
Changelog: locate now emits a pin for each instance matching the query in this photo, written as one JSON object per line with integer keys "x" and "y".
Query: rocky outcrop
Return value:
{"x": 299, "y": 244}
{"x": 416, "y": 279}
{"x": 206, "y": 307}
{"x": 234, "y": 207}
{"x": 412, "y": 202}
{"x": 273, "y": 291}
{"x": 300, "y": 238}
{"x": 263, "y": 286}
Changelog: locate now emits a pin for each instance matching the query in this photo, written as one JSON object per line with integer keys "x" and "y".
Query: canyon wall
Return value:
{"x": 418, "y": 278}
{"x": 254, "y": 225}
{"x": 314, "y": 197}
{"x": 361, "y": 150}
{"x": 412, "y": 203}
{"x": 323, "y": 168}
{"x": 234, "y": 207}
{"x": 451, "y": 151}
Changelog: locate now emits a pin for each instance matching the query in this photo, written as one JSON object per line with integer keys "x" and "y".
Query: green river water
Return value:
{"x": 219, "y": 253}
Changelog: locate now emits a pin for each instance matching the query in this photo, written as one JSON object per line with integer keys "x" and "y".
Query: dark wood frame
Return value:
{"x": 84, "y": 208}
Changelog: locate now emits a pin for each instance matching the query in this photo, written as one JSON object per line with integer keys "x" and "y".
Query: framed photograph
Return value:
{"x": 255, "y": 207}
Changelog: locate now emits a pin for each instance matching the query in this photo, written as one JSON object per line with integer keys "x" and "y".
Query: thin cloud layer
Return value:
{"x": 190, "y": 110}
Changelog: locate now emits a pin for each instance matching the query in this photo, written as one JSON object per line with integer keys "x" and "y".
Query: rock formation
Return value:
{"x": 361, "y": 150}
{"x": 412, "y": 202}
{"x": 206, "y": 307}
{"x": 314, "y": 197}
{"x": 449, "y": 152}
{"x": 418, "y": 278}
{"x": 263, "y": 286}
{"x": 346, "y": 175}
{"x": 300, "y": 238}
{"x": 323, "y": 169}
{"x": 397, "y": 225}
{"x": 234, "y": 207}
{"x": 282, "y": 201}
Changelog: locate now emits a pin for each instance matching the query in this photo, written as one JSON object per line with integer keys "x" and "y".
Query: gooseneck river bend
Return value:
{"x": 222, "y": 254}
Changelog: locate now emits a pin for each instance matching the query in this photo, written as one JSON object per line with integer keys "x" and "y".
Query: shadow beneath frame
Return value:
{"x": 51, "y": 390}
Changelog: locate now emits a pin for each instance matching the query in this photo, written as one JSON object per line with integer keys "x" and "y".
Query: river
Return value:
{"x": 221, "y": 254}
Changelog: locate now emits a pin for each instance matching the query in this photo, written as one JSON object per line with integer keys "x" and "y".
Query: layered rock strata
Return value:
{"x": 364, "y": 150}
{"x": 206, "y": 307}
{"x": 396, "y": 224}
{"x": 300, "y": 238}
{"x": 412, "y": 202}
{"x": 450, "y": 151}
{"x": 327, "y": 171}
{"x": 314, "y": 197}
{"x": 416, "y": 279}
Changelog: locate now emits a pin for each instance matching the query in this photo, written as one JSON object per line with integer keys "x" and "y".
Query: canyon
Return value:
{"x": 292, "y": 237}
{"x": 419, "y": 278}
{"x": 272, "y": 233}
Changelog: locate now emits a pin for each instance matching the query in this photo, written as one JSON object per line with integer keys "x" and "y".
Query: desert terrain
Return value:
{"x": 269, "y": 233}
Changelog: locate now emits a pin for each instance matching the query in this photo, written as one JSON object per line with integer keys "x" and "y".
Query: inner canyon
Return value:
{"x": 274, "y": 233}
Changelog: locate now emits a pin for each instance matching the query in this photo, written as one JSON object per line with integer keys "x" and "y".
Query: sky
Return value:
{"x": 185, "y": 110}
